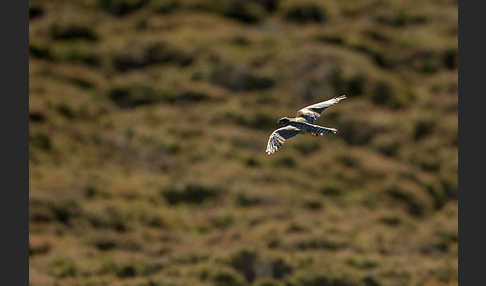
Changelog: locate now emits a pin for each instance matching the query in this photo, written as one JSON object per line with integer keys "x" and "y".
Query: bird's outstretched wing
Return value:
{"x": 278, "y": 137}
{"x": 312, "y": 112}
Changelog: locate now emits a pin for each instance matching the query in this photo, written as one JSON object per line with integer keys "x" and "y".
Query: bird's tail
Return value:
{"x": 319, "y": 130}
{"x": 339, "y": 98}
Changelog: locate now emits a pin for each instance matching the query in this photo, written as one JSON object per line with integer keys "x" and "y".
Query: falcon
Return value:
{"x": 303, "y": 123}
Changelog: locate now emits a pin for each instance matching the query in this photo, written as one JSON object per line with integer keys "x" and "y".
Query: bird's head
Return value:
{"x": 283, "y": 121}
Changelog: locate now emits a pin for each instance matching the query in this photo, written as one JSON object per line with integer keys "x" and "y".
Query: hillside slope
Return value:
{"x": 148, "y": 126}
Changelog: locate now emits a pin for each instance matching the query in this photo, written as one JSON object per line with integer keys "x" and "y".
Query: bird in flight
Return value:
{"x": 304, "y": 122}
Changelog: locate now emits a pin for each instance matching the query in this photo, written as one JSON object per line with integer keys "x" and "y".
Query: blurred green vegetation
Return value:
{"x": 149, "y": 121}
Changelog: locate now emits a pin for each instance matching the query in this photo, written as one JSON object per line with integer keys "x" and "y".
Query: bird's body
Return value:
{"x": 304, "y": 122}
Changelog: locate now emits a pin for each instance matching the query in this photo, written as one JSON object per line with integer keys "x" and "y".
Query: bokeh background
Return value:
{"x": 148, "y": 125}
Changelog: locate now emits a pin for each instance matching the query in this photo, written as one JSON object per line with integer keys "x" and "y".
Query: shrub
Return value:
{"x": 400, "y": 19}
{"x": 73, "y": 32}
{"x": 127, "y": 271}
{"x": 243, "y": 200}
{"x": 427, "y": 161}
{"x": 390, "y": 220}
{"x": 357, "y": 132}
{"x": 41, "y": 140}
{"x": 450, "y": 59}
{"x": 66, "y": 111}
{"x": 356, "y": 85}
{"x": 110, "y": 217}
{"x": 191, "y": 194}
{"x": 227, "y": 278}
{"x": 40, "y": 211}
{"x": 414, "y": 205}
{"x": 318, "y": 243}
{"x": 244, "y": 262}
{"x": 150, "y": 54}
{"x": 362, "y": 263}
{"x": 388, "y": 146}
{"x": 257, "y": 120}
{"x": 161, "y": 52}
{"x": 422, "y": 128}
{"x": 40, "y": 52}
{"x": 136, "y": 94}
{"x": 385, "y": 94}
{"x": 307, "y": 147}
{"x": 313, "y": 205}
{"x": 121, "y": 7}
{"x": 191, "y": 96}
{"x": 323, "y": 280}
{"x": 247, "y": 263}
{"x": 240, "y": 78}
{"x": 295, "y": 227}
{"x": 268, "y": 5}
{"x": 332, "y": 189}
{"x": 442, "y": 192}
{"x": 62, "y": 267}
{"x": 370, "y": 281}
{"x": 35, "y": 11}
{"x": 285, "y": 162}
{"x": 243, "y": 11}
{"x": 165, "y": 6}
{"x": 266, "y": 282}
{"x": 306, "y": 12}
{"x": 252, "y": 162}
{"x": 37, "y": 247}
{"x": 222, "y": 222}
{"x": 37, "y": 117}
{"x": 83, "y": 56}
{"x": 65, "y": 210}
{"x": 280, "y": 268}
{"x": 104, "y": 244}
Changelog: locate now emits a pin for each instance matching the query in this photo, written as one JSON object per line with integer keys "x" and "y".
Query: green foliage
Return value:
{"x": 40, "y": 52}
{"x": 307, "y": 147}
{"x": 244, "y": 262}
{"x": 191, "y": 194}
{"x": 322, "y": 280}
{"x": 227, "y": 278}
{"x": 62, "y": 267}
{"x": 121, "y": 7}
{"x": 357, "y": 131}
{"x": 414, "y": 205}
{"x": 84, "y": 56}
{"x": 41, "y": 140}
{"x": 332, "y": 189}
{"x": 136, "y": 94}
{"x": 35, "y": 11}
{"x": 318, "y": 243}
{"x": 150, "y": 54}
{"x": 306, "y": 13}
{"x": 422, "y": 128}
{"x": 238, "y": 78}
{"x": 108, "y": 218}
{"x": 165, "y": 6}
{"x": 73, "y": 32}
{"x": 388, "y": 146}
{"x": 390, "y": 221}
{"x": 243, "y": 11}
{"x": 285, "y": 162}
{"x": 244, "y": 200}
